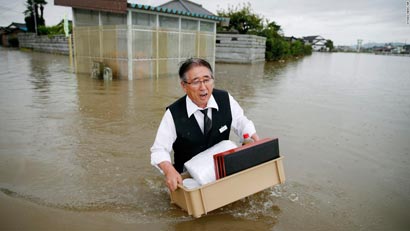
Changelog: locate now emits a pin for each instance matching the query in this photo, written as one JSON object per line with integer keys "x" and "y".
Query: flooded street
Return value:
{"x": 75, "y": 150}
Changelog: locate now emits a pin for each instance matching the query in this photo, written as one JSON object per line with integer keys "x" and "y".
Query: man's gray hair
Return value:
{"x": 188, "y": 64}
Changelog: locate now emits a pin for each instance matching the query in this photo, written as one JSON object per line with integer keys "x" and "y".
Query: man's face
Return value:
{"x": 198, "y": 93}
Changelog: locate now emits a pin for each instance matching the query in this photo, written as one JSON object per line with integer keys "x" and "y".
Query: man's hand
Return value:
{"x": 255, "y": 137}
{"x": 172, "y": 177}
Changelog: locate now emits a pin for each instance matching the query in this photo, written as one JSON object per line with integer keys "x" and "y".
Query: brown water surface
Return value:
{"x": 74, "y": 151}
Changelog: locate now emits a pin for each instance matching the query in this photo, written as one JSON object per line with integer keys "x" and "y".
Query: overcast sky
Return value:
{"x": 342, "y": 21}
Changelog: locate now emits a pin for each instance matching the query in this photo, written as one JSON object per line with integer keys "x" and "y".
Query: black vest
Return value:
{"x": 190, "y": 139}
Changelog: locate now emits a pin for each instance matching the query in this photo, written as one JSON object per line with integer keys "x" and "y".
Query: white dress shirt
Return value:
{"x": 166, "y": 134}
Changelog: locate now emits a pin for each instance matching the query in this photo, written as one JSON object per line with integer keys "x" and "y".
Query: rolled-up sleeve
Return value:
{"x": 240, "y": 123}
{"x": 166, "y": 136}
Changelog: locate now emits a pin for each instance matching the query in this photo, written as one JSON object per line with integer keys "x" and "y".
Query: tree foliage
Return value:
{"x": 329, "y": 45}
{"x": 270, "y": 30}
{"x": 36, "y": 8}
{"x": 34, "y": 17}
{"x": 242, "y": 19}
{"x": 245, "y": 21}
{"x": 54, "y": 30}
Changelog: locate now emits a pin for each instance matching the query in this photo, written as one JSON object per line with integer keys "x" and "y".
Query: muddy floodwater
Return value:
{"x": 74, "y": 151}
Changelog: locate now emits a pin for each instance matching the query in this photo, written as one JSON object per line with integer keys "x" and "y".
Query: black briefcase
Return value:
{"x": 244, "y": 157}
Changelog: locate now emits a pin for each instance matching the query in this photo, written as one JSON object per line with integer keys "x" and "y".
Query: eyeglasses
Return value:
{"x": 197, "y": 83}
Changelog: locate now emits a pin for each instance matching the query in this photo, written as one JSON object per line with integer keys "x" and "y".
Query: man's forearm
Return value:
{"x": 172, "y": 177}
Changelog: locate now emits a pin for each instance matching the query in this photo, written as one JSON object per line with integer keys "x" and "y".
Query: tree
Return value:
{"x": 32, "y": 16}
{"x": 276, "y": 46}
{"x": 242, "y": 19}
{"x": 271, "y": 30}
{"x": 297, "y": 48}
{"x": 54, "y": 30}
{"x": 329, "y": 44}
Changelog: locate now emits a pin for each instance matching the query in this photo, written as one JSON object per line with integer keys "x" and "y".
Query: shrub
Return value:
{"x": 53, "y": 30}
{"x": 243, "y": 20}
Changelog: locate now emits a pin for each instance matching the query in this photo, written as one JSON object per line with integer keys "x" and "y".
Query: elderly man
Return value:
{"x": 197, "y": 121}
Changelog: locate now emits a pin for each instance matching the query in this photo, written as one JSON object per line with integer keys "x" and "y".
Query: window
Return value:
{"x": 168, "y": 22}
{"x": 85, "y": 17}
{"x": 187, "y": 24}
{"x": 113, "y": 18}
{"x": 142, "y": 19}
{"x": 207, "y": 26}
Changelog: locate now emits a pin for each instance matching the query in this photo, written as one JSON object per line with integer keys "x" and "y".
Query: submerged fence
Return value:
{"x": 139, "y": 44}
{"x": 57, "y": 44}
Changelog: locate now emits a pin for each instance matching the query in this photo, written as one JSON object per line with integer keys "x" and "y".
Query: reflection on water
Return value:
{"x": 343, "y": 121}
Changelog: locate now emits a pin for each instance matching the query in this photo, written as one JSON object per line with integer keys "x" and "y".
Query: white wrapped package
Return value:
{"x": 201, "y": 167}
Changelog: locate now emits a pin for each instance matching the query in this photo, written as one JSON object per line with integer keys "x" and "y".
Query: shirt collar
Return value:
{"x": 191, "y": 107}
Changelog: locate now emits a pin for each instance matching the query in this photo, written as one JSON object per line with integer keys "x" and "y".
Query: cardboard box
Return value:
{"x": 224, "y": 191}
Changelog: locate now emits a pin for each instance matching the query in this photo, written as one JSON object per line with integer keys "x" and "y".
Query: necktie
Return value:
{"x": 207, "y": 122}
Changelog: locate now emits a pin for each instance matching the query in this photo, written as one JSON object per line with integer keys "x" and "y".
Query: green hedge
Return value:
{"x": 53, "y": 30}
{"x": 245, "y": 21}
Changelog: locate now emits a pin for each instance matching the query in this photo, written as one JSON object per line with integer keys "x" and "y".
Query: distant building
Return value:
{"x": 345, "y": 48}
{"x": 139, "y": 41}
{"x": 387, "y": 48}
{"x": 406, "y": 49}
{"x": 397, "y": 50}
{"x": 317, "y": 42}
{"x": 293, "y": 39}
{"x": 8, "y": 35}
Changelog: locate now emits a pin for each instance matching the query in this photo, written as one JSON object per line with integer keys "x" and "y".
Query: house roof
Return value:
{"x": 313, "y": 37}
{"x": 13, "y": 27}
{"x": 180, "y": 7}
{"x": 310, "y": 38}
{"x": 116, "y": 6}
{"x": 188, "y": 6}
{"x": 20, "y": 26}
{"x": 292, "y": 38}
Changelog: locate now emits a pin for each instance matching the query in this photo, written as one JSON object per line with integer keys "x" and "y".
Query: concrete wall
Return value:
{"x": 56, "y": 44}
{"x": 240, "y": 48}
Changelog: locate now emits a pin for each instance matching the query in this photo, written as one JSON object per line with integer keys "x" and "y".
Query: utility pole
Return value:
{"x": 35, "y": 16}
{"x": 359, "y": 44}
